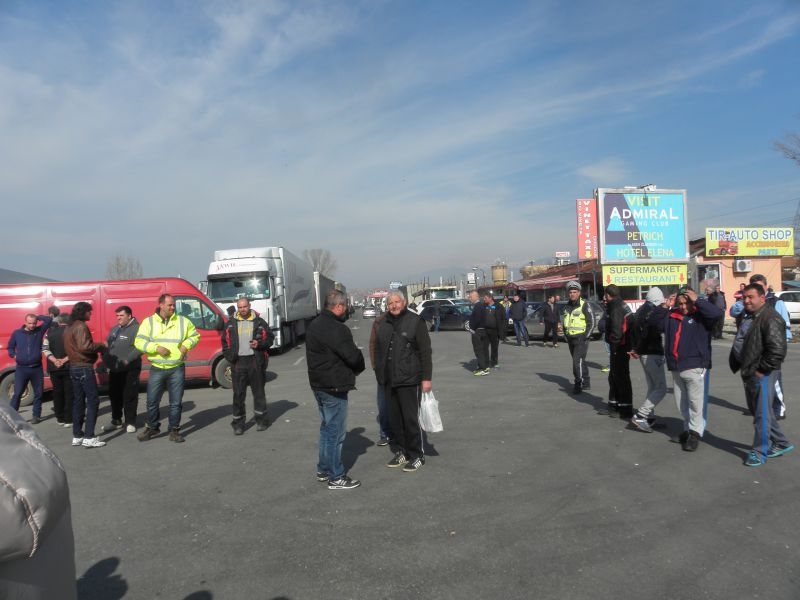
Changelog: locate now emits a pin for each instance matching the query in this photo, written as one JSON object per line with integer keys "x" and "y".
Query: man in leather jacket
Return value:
{"x": 758, "y": 353}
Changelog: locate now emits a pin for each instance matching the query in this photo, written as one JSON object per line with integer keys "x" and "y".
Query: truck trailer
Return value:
{"x": 280, "y": 286}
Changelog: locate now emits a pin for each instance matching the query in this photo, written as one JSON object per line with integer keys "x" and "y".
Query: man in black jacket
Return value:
{"x": 518, "y": 312}
{"x": 480, "y": 339}
{"x": 648, "y": 347}
{"x": 620, "y": 393}
{"x": 496, "y": 321}
{"x": 245, "y": 343}
{"x": 125, "y": 366}
{"x": 403, "y": 366}
{"x": 758, "y": 353}
{"x": 550, "y": 318}
{"x": 333, "y": 360}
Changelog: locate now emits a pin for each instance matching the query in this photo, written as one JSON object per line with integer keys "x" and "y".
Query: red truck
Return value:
{"x": 205, "y": 361}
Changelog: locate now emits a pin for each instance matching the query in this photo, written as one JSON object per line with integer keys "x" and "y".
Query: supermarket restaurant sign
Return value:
{"x": 750, "y": 241}
{"x": 644, "y": 274}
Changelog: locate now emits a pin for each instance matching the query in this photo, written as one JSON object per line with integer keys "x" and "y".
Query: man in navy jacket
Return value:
{"x": 25, "y": 347}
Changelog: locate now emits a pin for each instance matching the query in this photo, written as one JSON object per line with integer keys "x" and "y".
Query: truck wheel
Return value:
{"x": 7, "y": 391}
{"x": 222, "y": 374}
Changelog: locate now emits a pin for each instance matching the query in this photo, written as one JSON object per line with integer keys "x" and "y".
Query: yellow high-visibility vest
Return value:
{"x": 575, "y": 320}
{"x": 177, "y": 331}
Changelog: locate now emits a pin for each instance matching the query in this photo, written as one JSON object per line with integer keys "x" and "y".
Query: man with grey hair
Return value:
{"x": 333, "y": 360}
{"x": 404, "y": 367}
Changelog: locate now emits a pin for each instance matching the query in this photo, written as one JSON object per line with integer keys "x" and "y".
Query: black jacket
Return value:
{"x": 764, "y": 344}
{"x": 333, "y": 358}
{"x": 645, "y": 338}
{"x": 477, "y": 318}
{"x": 615, "y": 319}
{"x": 261, "y": 333}
{"x": 519, "y": 310}
{"x": 550, "y": 313}
{"x": 410, "y": 361}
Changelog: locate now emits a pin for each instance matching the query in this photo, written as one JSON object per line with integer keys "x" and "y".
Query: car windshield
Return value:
{"x": 230, "y": 288}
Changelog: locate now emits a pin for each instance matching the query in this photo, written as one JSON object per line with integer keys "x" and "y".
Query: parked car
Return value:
{"x": 453, "y": 317}
{"x": 370, "y": 312}
{"x": 441, "y": 302}
{"x": 535, "y": 323}
{"x": 792, "y": 300}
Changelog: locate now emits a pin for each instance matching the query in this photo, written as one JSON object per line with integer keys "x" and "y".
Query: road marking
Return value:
{"x": 298, "y": 361}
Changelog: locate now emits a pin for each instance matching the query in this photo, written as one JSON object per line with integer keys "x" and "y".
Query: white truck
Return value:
{"x": 281, "y": 287}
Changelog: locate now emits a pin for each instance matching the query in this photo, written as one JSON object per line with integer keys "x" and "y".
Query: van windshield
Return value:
{"x": 230, "y": 288}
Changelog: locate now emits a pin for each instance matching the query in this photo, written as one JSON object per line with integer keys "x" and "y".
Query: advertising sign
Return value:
{"x": 645, "y": 274}
{"x": 586, "y": 213}
{"x": 750, "y": 241}
{"x": 639, "y": 226}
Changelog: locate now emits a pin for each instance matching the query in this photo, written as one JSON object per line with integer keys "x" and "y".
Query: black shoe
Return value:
{"x": 322, "y": 477}
{"x": 262, "y": 425}
{"x": 238, "y": 426}
{"x": 35, "y": 421}
{"x": 414, "y": 465}
{"x": 383, "y": 441}
{"x": 343, "y": 483}
{"x": 576, "y": 389}
{"x": 692, "y": 441}
{"x": 398, "y": 460}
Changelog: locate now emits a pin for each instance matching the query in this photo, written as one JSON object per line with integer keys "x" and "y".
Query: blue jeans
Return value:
{"x": 21, "y": 378}
{"x": 332, "y": 430}
{"x": 383, "y": 415}
{"x": 160, "y": 380}
{"x": 85, "y": 401}
{"x": 521, "y": 332}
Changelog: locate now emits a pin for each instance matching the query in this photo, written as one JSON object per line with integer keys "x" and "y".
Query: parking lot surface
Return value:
{"x": 527, "y": 493}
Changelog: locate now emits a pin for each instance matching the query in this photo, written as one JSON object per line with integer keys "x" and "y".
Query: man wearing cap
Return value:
{"x": 578, "y": 322}
{"x": 648, "y": 347}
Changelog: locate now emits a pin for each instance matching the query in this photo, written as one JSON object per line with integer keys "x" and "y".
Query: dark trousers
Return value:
{"x": 620, "y": 392}
{"x": 550, "y": 330}
{"x": 23, "y": 375}
{"x": 62, "y": 395}
{"x": 123, "y": 391}
{"x": 480, "y": 345}
{"x": 247, "y": 371}
{"x": 494, "y": 345}
{"x": 717, "y": 332}
{"x": 403, "y": 405}
{"x": 577, "y": 348}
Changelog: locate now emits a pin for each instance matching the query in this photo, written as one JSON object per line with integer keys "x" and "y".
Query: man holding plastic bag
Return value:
{"x": 404, "y": 367}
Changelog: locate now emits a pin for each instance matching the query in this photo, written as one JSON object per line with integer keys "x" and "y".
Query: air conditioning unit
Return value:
{"x": 741, "y": 265}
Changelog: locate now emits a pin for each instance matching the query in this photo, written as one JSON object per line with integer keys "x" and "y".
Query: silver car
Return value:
{"x": 370, "y": 312}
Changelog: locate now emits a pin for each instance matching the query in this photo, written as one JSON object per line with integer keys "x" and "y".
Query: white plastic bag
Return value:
{"x": 429, "y": 418}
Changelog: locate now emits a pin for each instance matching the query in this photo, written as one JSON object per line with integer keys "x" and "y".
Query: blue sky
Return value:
{"x": 408, "y": 138}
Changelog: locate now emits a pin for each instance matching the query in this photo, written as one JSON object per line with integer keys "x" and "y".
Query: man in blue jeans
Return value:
{"x": 165, "y": 339}
{"x": 333, "y": 360}
{"x": 25, "y": 347}
{"x": 82, "y": 354}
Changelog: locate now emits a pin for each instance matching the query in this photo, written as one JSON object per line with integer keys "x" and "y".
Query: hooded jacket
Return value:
{"x": 687, "y": 339}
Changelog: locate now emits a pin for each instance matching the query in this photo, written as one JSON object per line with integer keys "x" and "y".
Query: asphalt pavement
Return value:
{"x": 527, "y": 493}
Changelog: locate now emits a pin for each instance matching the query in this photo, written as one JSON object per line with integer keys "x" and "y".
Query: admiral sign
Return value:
{"x": 638, "y": 226}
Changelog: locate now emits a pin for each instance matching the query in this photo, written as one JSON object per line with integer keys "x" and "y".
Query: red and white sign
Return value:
{"x": 586, "y": 212}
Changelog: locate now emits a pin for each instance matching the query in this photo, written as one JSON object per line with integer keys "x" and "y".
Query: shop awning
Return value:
{"x": 546, "y": 283}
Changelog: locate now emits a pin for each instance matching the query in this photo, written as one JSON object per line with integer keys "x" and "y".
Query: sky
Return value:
{"x": 409, "y": 138}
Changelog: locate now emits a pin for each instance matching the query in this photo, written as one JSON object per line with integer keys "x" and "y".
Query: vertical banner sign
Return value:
{"x": 586, "y": 212}
{"x": 643, "y": 226}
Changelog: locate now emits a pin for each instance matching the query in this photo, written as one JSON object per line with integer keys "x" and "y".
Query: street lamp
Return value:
{"x": 483, "y": 274}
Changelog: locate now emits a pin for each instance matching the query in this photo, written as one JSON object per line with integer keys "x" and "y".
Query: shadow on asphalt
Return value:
{"x": 355, "y": 444}
{"x": 470, "y": 366}
{"x": 101, "y": 583}
{"x": 735, "y": 448}
{"x": 726, "y": 404}
{"x": 565, "y": 386}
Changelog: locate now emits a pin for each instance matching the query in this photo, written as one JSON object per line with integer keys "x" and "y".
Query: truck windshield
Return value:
{"x": 254, "y": 286}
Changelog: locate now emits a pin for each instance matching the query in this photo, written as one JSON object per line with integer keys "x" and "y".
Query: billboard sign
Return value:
{"x": 642, "y": 226}
{"x": 561, "y": 254}
{"x": 645, "y": 274}
{"x": 586, "y": 214}
{"x": 750, "y": 241}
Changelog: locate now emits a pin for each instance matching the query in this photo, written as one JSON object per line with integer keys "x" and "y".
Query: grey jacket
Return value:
{"x": 37, "y": 548}
{"x": 121, "y": 355}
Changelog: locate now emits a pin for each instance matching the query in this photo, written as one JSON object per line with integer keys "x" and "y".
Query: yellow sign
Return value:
{"x": 750, "y": 241}
{"x": 631, "y": 275}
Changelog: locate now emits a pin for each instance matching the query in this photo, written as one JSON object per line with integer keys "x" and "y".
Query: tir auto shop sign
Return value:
{"x": 750, "y": 241}
{"x": 642, "y": 226}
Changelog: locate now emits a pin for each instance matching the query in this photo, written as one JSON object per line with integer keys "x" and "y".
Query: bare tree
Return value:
{"x": 124, "y": 267}
{"x": 790, "y": 147}
{"x": 321, "y": 260}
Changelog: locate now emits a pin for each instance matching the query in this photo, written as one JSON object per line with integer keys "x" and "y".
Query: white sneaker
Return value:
{"x": 130, "y": 429}
{"x": 93, "y": 443}
{"x": 77, "y": 441}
